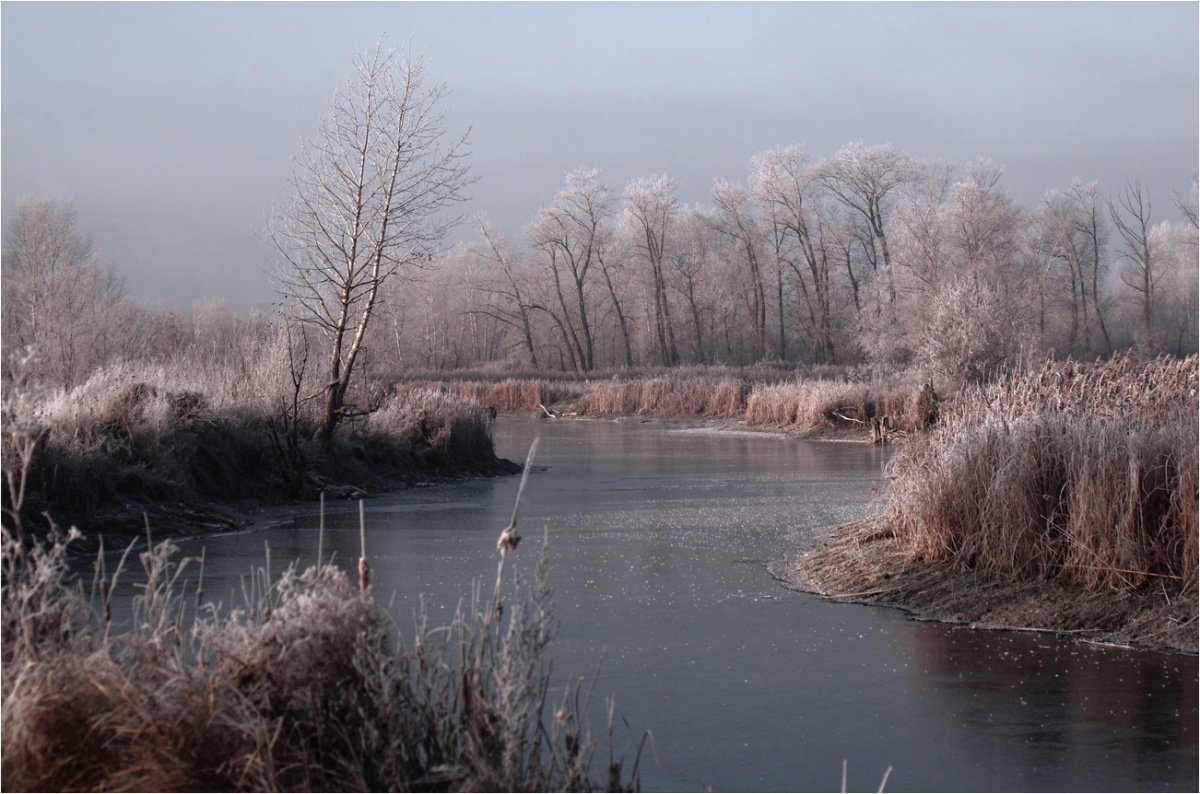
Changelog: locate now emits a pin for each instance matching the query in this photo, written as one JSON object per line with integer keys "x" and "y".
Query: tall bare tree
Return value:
{"x": 650, "y": 210}
{"x": 506, "y": 282}
{"x": 735, "y": 218}
{"x": 864, "y": 178}
{"x": 58, "y": 299}
{"x": 786, "y": 185}
{"x": 1130, "y": 215}
{"x": 371, "y": 194}
{"x": 570, "y": 234}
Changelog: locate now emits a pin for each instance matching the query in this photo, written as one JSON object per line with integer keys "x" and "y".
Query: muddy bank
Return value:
{"x": 125, "y": 520}
{"x": 864, "y": 563}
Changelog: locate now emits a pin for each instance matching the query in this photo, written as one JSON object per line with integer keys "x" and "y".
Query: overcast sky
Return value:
{"x": 172, "y": 126}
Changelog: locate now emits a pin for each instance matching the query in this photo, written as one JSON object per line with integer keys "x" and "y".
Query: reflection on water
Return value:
{"x": 659, "y": 542}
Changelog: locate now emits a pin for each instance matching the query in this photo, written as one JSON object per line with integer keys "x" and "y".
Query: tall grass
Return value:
{"x": 761, "y": 395}
{"x": 813, "y": 403}
{"x": 715, "y": 396}
{"x": 509, "y": 394}
{"x": 1087, "y": 473}
{"x": 306, "y": 686}
{"x": 152, "y": 433}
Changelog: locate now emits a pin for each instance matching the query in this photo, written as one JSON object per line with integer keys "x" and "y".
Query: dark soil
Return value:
{"x": 121, "y": 520}
{"x": 865, "y": 563}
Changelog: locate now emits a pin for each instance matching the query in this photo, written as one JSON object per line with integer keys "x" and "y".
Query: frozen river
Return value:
{"x": 661, "y": 540}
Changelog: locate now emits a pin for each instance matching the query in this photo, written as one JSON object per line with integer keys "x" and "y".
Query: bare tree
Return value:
{"x": 691, "y": 264}
{"x": 1071, "y": 237}
{"x": 612, "y": 256}
{"x": 786, "y": 184}
{"x": 863, "y": 179}
{"x": 58, "y": 300}
{"x": 1090, "y": 223}
{"x": 370, "y": 199}
{"x": 735, "y": 218}
{"x": 508, "y": 287}
{"x": 650, "y": 208}
{"x": 570, "y": 234}
{"x": 1131, "y": 217}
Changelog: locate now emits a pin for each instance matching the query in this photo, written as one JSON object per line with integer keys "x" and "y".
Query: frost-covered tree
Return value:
{"x": 58, "y": 300}
{"x": 1130, "y": 213}
{"x": 736, "y": 219}
{"x": 650, "y": 210}
{"x": 789, "y": 188}
{"x": 370, "y": 200}
{"x": 865, "y": 179}
{"x": 569, "y": 236}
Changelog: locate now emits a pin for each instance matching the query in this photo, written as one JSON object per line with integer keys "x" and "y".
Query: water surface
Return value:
{"x": 660, "y": 539}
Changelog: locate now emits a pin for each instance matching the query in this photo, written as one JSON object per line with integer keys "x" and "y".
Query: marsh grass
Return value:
{"x": 820, "y": 402}
{"x": 763, "y": 395}
{"x": 1088, "y": 473}
{"x": 307, "y": 685}
{"x": 154, "y": 434}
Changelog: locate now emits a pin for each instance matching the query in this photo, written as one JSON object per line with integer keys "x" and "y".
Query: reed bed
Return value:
{"x": 814, "y": 403}
{"x": 152, "y": 434}
{"x": 508, "y": 395}
{"x": 761, "y": 396}
{"x": 307, "y": 686}
{"x": 716, "y": 397}
{"x": 1083, "y": 472}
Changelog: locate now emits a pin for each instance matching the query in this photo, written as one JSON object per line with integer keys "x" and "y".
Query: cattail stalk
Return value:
{"x": 364, "y": 571}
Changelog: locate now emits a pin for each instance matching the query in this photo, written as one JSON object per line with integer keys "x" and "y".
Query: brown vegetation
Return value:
{"x": 1083, "y": 473}
{"x": 142, "y": 436}
{"x": 819, "y": 398}
{"x": 1083, "y": 478}
{"x": 867, "y": 563}
{"x": 306, "y": 687}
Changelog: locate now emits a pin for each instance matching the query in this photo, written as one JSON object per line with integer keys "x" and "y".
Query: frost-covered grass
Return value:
{"x": 307, "y": 686}
{"x": 761, "y": 396}
{"x": 1088, "y": 473}
{"x": 810, "y": 403}
{"x": 143, "y": 433}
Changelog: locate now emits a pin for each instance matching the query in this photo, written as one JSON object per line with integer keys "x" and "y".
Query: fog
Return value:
{"x": 172, "y": 126}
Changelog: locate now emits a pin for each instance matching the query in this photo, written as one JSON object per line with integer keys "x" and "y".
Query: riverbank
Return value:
{"x": 804, "y": 404}
{"x": 121, "y": 522}
{"x": 866, "y": 563}
{"x": 128, "y": 452}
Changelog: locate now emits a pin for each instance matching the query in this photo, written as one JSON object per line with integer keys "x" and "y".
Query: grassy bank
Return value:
{"x": 821, "y": 400}
{"x": 160, "y": 440}
{"x": 1080, "y": 477}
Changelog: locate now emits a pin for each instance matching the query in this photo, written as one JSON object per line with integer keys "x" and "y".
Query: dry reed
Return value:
{"x": 1088, "y": 473}
{"x": 304, "y": 687}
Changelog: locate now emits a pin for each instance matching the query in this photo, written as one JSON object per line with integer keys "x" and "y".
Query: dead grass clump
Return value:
{"x": 307, "y": 686}
{"x": 523, "y": 395}
{"x": 814, "y": 403}
{"x": 712, "y": 396}
{"x": 613, "y": 397}
{"x": 454, "y": 428}
{"x": 1088, "y": 474}
{"x": 509, "y": 394}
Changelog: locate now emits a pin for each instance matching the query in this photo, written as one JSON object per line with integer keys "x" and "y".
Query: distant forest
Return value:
{"x": 869, "y": 256}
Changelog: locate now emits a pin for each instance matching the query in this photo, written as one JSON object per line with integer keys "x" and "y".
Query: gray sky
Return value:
{"x": 173, "y": 125}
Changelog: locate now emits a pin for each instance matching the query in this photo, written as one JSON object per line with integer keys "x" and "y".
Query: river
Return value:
{"x": 661, "y": 539}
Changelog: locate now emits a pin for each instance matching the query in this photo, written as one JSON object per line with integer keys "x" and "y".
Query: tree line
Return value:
{"x": 868, "y": 255}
